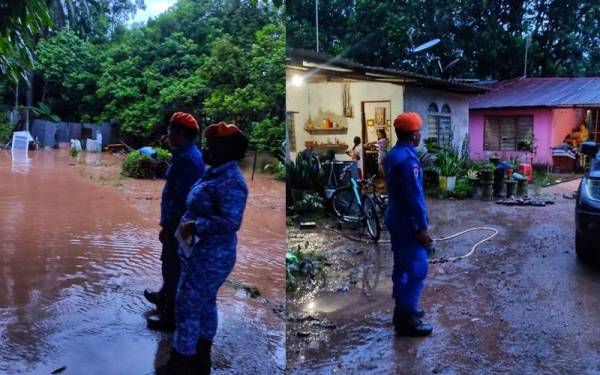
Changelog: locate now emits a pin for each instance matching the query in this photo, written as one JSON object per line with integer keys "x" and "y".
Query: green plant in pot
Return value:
{"x": 447, "y": 165}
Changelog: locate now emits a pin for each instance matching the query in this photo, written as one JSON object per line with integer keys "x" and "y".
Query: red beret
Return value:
{"x": 221, "y": 130}
{"x": 185, "y": 119}
{"x": 408, "y": 122}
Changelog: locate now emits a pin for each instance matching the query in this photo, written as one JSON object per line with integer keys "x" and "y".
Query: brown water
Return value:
{"x": 77, "y": 247}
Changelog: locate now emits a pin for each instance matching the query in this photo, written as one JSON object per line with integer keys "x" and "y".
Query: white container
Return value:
{"x": 91, "y": 145}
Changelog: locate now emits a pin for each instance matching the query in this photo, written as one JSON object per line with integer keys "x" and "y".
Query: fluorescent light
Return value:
{"x": 297, "y": 80}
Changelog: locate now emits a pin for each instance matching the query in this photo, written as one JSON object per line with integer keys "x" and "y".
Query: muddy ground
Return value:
{"x": 78, "y": 244}
{"x": 521, "y": 304}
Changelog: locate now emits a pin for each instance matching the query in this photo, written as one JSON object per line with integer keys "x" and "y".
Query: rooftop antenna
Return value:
{"x": 317, "y": 21}
{"x": 423, "y": 47}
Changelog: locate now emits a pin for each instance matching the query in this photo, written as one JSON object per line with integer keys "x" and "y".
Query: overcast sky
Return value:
{"x": 153, "y": 9}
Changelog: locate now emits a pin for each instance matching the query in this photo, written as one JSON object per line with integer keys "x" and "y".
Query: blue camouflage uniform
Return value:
{"x": 186, "y": 168}
{"x": 216, "y": 205}
{"x": 405, "y": 216}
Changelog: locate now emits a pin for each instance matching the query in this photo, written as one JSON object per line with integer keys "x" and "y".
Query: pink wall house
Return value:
{"x": 550, "y": 126}
{"x": 552, "y": 106}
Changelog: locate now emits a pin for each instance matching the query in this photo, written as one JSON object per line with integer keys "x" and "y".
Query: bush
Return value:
{"x": 142, "y": 166}
{"x": 463, "y": 189}
{"x": 310, "y": 204}
{"x": 278, "y": 170}
{"x": 5, "y": 131}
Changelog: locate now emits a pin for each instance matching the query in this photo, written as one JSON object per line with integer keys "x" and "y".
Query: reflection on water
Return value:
{"x": 75, "y": 256}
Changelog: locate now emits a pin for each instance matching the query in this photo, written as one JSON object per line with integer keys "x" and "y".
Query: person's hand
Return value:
{"x": 163, "y": 236}
{"x": 423, "y": 237}
{"x": 187, "y": 229}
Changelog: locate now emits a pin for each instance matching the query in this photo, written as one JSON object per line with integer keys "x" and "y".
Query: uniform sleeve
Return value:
{"x": 230, "y": 202}
{"x": 183, "y": 175}
{"x": 412, "y": 188}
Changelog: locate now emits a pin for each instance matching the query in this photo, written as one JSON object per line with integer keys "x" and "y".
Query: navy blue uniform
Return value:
{"x": 186, "y": 168}
{"x": 216, "y": 205}
{"x": 406, "y": 215}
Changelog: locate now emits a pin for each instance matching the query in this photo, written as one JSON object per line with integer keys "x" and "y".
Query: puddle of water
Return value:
{"x": 75, "y": 256}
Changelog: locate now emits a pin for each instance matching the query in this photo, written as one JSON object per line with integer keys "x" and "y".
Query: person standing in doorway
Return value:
{"x": 382, "y": 145}
{"x": 357, "y": 155}
{"x": 186, "y": 168}
{"x": 406, "y": 219}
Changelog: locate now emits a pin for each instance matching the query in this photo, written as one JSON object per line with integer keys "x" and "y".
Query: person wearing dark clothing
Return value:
{"x": 187, "y": 166}
{"x": 215, "y": 208}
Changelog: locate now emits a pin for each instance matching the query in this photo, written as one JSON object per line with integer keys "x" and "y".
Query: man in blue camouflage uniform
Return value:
{"x": 406, "y": 219}
{"x": 186, "y": 168}
{"x": 215, "y": 207}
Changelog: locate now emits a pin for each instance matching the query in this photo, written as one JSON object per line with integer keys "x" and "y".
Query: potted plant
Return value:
{"x": 447, "y": 165}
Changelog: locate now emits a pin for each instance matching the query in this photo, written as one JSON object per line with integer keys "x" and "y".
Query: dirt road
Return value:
{"x": 522, "y": 304}
{"x": 78, "y": 245}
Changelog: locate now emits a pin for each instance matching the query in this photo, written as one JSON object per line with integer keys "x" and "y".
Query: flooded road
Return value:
{"x": 521, "y": 303}
{"x": 78, "y": 244}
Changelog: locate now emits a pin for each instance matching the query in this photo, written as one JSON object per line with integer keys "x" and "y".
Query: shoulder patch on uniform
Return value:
{"x": 416, "y": 170}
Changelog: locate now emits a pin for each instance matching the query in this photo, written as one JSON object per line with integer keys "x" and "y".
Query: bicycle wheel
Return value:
{"x": 343, "y": 203}
{"x": 371, "y": 219}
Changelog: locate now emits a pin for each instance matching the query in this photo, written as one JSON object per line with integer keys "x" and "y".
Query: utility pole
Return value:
{"x": 317, "y": 21}
{"x": 527, "y": 43}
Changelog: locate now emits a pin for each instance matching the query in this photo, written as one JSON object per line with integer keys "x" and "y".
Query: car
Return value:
{"x": 587, "y": 207}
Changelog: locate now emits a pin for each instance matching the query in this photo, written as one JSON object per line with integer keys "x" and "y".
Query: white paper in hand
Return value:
{"x": 186, "y": 245}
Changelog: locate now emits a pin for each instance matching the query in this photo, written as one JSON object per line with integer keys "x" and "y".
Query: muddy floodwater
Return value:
{"x": 78, "y": 244}
{"x": 521, "y": 304}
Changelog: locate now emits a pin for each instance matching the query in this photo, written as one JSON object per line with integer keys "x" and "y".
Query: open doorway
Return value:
{"x": 376, "y": 122}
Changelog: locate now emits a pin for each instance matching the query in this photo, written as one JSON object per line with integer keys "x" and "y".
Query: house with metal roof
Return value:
{"x": 330, "y": 101}
{"x": 527, "y": 118}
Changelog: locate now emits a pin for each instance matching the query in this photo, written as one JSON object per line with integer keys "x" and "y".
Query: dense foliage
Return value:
{"x": 221, "y": 60}
{"x": 488, "y": 36}
{"x": 139, "y": 165}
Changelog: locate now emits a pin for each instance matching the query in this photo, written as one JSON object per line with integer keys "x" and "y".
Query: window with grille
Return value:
{"x": 508, "y": 133}
{"x": 439, "y": 125}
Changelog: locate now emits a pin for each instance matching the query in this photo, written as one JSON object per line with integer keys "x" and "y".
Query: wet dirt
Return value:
{"x": 522, "y": 303}
{"x": 78, "y": 244}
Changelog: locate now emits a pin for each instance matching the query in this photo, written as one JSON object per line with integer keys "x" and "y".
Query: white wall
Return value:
{"x": 326, "y": 101}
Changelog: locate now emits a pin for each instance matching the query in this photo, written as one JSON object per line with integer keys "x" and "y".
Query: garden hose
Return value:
{"x": 443, "y": 238}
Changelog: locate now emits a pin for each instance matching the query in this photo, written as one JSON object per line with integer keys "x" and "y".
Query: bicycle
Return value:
{"x": 352, "y": 205}
{"x": 380, "y": 200}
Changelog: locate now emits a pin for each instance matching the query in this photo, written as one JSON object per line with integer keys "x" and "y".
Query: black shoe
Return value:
{"x": 161, "y": 322}
{"x": 203, "y": 361}
{"x": 178, "y": 364}
{"x": 419, "y": 313}
{"x": 410, "y": 325}
{"x": 154, "y": 298}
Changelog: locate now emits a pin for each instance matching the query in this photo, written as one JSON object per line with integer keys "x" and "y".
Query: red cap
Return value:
{"x": 221, "y": 130}
{"x": 185, "y": 119}
{"x": 408, "y": 122}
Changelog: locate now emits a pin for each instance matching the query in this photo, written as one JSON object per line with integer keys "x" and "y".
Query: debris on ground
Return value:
{"x": 252, "y": 291}
{"x": 525, "y": 201}
{"x": 59, "y": 370}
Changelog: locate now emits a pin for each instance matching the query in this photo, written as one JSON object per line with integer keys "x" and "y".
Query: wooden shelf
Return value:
{"x": 326, "y": 130}
{"x": 338, "y": 148}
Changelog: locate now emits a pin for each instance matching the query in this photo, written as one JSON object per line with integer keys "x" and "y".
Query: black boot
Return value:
{"x": 419, "y": 313}
{"x": 163, "y": 321}
{"x": 178, "y": 364}
{"x": 154, "y": 298}
{"x": 409, "y": 324}
{"x": 203, "y": 361}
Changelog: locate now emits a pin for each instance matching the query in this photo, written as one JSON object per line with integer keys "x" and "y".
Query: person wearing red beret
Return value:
{"x": 214, "y": 211}
{"x": 185, "y": 169}
{"x": 406, "y": 219}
